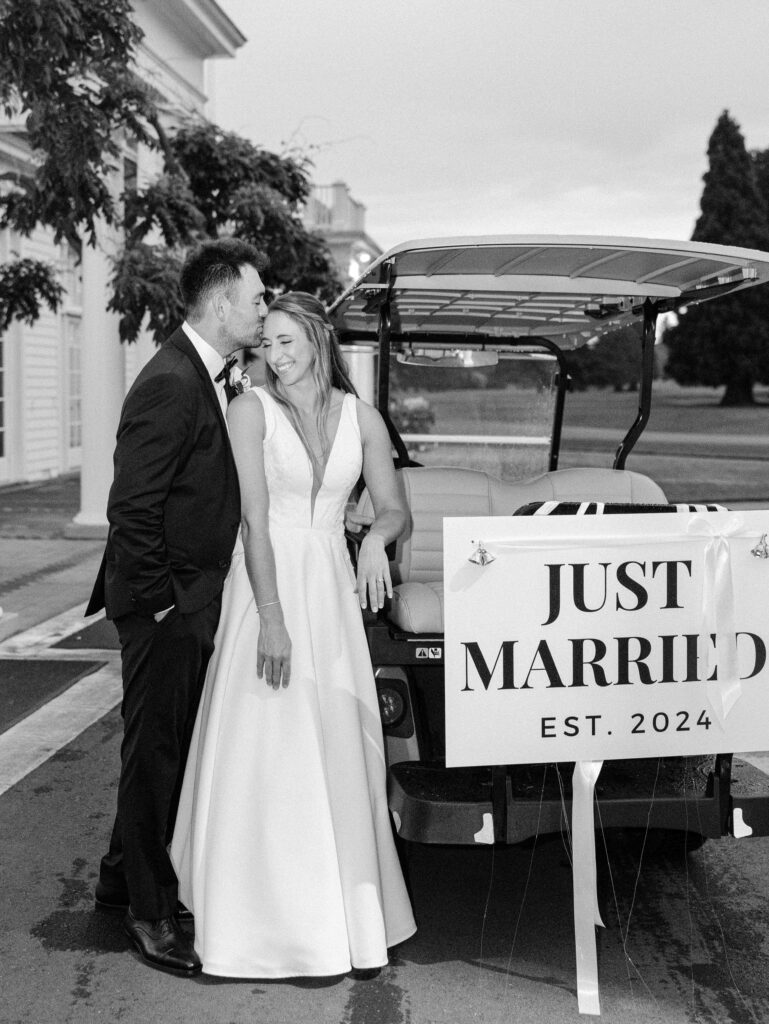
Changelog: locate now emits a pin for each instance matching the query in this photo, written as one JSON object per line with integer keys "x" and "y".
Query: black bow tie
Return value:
{"x": 224, "y": 373}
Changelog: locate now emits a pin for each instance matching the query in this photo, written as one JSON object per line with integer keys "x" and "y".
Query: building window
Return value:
{"x": 130, "y": 173}
{"x": 2, "y": 400}
{"x": 5, "y": 239}
{"x": 72, "y": 335}
{"x": 72, "y": 277}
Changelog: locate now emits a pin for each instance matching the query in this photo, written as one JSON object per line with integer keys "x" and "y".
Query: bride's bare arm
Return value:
{"x": 390, "y": 512}
{"x": 245, "y": 418}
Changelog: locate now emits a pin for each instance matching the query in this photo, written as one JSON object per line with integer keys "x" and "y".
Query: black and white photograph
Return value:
{"x": 384, "y": 512}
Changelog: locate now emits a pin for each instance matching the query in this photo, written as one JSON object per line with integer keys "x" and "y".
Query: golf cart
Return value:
{"x": 460, "y": 344}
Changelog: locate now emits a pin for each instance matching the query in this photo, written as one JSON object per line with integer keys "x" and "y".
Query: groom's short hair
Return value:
{"x": 215, "y": 265}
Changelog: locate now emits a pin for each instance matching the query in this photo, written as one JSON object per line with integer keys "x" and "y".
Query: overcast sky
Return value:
{"x": 459, "y": 117}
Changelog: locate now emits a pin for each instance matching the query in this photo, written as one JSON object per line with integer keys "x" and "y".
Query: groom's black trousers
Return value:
{"x": 164, "y": 667}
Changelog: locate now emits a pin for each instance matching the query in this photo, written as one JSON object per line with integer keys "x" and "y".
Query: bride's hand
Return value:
{"x": 373, "y": 581}
{"x": 273, "y": 651}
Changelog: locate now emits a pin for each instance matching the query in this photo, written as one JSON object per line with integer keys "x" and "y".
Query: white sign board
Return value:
{"x": 588, "y": 638}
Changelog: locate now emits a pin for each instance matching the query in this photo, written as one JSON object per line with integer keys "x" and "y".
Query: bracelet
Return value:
{"x": 266, "y": 604}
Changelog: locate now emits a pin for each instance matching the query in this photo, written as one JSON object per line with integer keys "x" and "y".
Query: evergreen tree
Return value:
{"x": 726, "y": 342}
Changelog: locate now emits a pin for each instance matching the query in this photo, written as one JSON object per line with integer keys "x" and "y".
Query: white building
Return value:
{"x": 62, "y": 381}
{"x": 340, "y": 220}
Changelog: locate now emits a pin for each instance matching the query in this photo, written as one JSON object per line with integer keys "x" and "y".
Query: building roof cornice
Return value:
{"x": 205, "y": 24}
{"x": 160, "y": 71}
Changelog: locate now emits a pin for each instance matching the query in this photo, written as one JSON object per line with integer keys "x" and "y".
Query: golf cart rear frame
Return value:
{"x": 392, "y": 307}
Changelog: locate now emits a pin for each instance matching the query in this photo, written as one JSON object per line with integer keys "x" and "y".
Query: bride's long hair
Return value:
{"x": 329, "y": 369}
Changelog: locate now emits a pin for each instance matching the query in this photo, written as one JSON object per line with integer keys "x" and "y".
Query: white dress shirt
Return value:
{"x": 212, "y": 361}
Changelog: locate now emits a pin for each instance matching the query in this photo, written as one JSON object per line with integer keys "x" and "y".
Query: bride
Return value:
{"x": 283, "y": 845}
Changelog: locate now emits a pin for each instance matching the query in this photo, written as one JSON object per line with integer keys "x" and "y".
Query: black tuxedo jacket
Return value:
{"x": 174, "y": 504}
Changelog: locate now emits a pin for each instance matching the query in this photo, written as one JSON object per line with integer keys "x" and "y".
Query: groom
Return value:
{"x": 174, "y": 511}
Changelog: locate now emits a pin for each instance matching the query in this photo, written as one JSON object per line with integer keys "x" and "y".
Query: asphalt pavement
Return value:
{"x": 42, "y": 572}
{"x": 59, "y": 751}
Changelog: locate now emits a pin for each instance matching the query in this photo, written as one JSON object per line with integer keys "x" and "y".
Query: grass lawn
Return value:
{"x": 677, "y": 409}
{"x": 674, "y": 409}
{"x": 686, "y": 472}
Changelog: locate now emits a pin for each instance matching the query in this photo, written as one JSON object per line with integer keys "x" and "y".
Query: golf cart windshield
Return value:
{"x": 460, "y": 342}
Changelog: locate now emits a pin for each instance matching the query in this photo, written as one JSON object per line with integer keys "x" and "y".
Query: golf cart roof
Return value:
{"x": 538, "y": 286}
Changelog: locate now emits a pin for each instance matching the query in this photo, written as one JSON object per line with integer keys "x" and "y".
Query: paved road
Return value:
{"x": 686, "y": 938}
{"x": 685, "y": 941}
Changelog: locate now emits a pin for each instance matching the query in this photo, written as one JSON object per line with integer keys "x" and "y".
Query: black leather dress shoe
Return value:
{"x": 163, "y": 945}
{"x": 117, "y": 903}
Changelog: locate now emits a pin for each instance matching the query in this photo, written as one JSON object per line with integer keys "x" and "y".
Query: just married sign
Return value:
{"x": 607, "y": 636}
{"x": 587, "y": 638}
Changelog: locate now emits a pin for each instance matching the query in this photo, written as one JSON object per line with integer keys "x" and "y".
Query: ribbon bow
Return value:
{"x": 224, "y": 373}
{"x": 235, "y": 381}
{"x": 718, "y": 609}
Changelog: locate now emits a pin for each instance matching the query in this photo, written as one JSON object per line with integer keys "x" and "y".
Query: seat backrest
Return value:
{"x": 435, "y": 492}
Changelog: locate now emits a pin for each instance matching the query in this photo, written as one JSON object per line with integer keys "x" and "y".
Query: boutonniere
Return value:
{"x": 239, "y": 382}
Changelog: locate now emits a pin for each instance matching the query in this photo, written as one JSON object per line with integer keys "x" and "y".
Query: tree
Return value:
{"x": 68, "y": 65}
{"x": 613, "y": 361}
{"x": 214, "y": 182}
{"x": 727, "y": 341}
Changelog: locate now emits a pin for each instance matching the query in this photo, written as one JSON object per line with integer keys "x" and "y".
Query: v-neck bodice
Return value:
{"x": 289, "y": 470}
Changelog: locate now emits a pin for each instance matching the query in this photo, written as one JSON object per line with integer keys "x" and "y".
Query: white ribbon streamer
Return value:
{"x": 585, "y": 883}
{"x": 718, "y": 610}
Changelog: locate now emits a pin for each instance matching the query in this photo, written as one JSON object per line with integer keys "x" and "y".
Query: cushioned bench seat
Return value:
{"x": 433, "y": 493}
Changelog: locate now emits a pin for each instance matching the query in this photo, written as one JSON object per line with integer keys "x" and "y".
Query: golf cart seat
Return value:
{"x": 433, "y": 493}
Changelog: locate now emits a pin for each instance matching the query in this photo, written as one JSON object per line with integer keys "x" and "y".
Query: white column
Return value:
{"x": 103, "y": 391}
{"x": 361, "y": 363}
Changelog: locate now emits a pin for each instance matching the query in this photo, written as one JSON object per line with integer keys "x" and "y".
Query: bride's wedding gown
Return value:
{"x": 282, "y": 844}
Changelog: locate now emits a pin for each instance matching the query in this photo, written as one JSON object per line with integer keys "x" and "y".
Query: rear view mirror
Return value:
{"x": 464, "y": 359}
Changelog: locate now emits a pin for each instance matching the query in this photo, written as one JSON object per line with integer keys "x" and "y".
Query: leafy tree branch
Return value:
{"x": 68, "y": 67}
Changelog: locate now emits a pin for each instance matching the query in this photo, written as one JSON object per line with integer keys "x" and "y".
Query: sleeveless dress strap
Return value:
{"x": 350, "y": 408}
{"x": 270, "y": 412}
